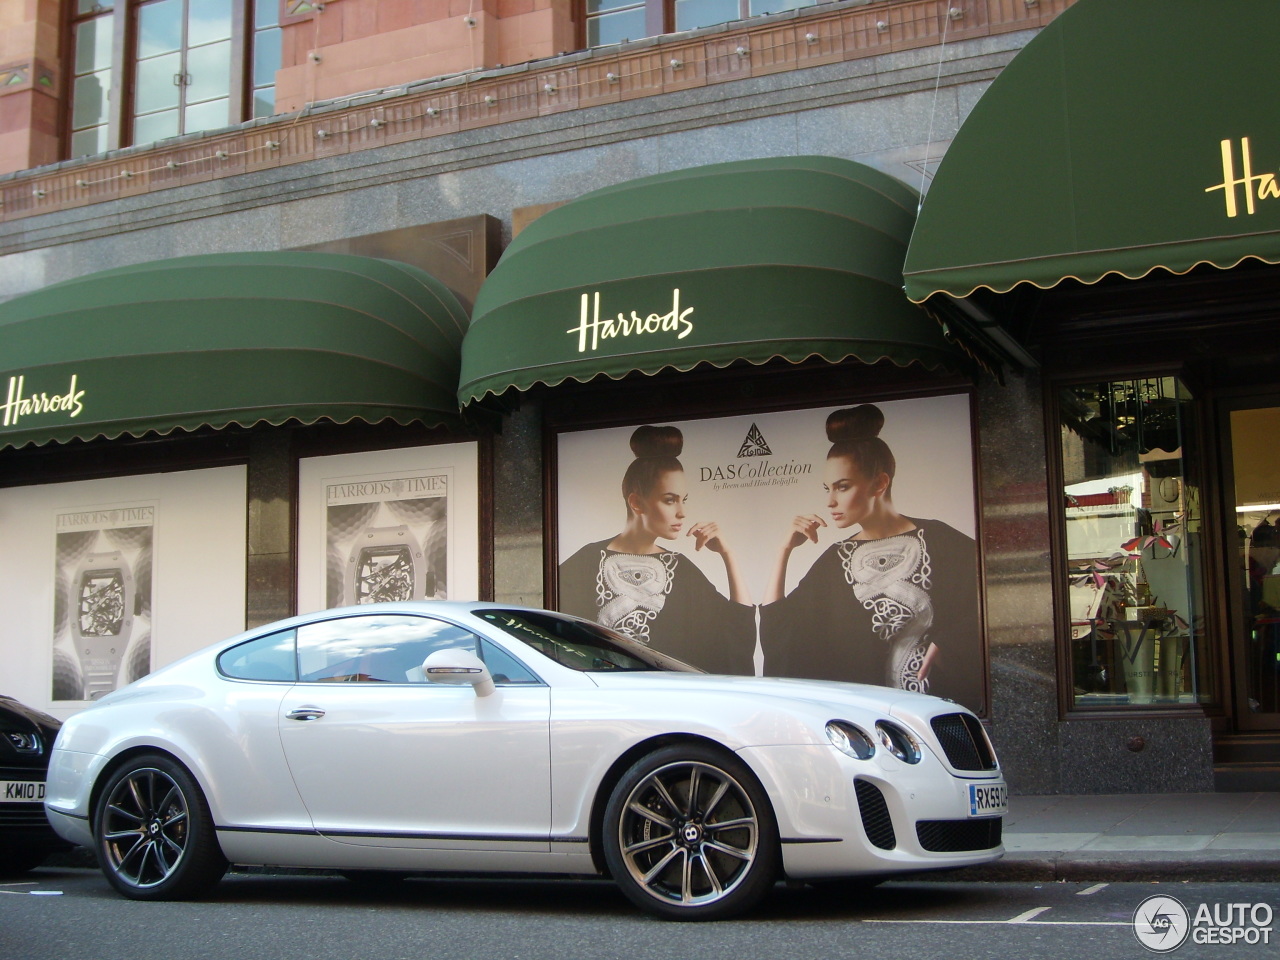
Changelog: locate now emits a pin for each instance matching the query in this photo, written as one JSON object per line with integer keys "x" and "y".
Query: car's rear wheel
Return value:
{"x": 154, "y": 833}
{"x": 690, "y": 834}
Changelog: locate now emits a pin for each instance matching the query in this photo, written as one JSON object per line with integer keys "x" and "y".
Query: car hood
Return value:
{"x": 828, "y": 694}
{"x": 18, "y": 718}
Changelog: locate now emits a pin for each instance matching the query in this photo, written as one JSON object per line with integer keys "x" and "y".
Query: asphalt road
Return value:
{"x": 69, "y": 914}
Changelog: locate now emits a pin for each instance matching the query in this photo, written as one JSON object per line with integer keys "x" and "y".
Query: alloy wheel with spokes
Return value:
{"x": 690, "y": 835}
{"x": 154, "y": 832}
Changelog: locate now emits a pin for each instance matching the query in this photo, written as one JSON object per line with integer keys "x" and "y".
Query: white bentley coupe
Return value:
{"x": 472, "y": 737}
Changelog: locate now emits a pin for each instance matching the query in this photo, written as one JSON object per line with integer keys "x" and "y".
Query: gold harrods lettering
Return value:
{"x": 1260, "y": 186}
{"x": 591, "y": 329}
{"x": 17, "y": 406}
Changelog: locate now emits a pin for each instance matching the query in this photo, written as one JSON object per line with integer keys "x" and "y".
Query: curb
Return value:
{"x": 1116, "y": 870}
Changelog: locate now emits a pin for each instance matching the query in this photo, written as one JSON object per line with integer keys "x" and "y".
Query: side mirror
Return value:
{"x": 458, "y": 667}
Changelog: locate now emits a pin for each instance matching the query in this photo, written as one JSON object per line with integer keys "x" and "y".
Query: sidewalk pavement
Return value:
{"x": 1177, "y": 836}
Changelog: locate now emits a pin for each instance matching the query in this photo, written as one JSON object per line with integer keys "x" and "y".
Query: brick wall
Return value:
{"x": 356, "y": 45}
{"x": 806, "y": 38}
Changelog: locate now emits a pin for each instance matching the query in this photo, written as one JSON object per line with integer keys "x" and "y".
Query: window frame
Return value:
{"x": 480, "y": 643}
{"x": 121, "y": 121}
{"x": 660, "y": 19}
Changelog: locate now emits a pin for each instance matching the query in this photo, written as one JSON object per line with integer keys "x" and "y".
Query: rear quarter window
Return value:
{"x": 271, "y": 658}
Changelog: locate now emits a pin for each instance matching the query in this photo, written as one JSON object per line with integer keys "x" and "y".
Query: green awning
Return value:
{"x": 791, "y": 257}
{"x": 1118, "y": 141}
{"x": 228, "y": 338}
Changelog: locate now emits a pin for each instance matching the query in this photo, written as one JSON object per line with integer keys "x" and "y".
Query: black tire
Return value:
{"x": 154, "y": 834}
{"x": 689, "y": 834}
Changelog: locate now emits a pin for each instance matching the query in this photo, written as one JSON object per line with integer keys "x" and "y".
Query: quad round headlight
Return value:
{"x": 850, "y": 740}
{"x": 899, "y": 741}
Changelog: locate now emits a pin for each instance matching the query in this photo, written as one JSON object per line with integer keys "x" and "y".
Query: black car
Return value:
{"x": 26, "y": 737}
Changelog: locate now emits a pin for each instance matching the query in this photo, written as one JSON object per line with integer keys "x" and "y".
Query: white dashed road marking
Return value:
{"x": 1029, "y": 915}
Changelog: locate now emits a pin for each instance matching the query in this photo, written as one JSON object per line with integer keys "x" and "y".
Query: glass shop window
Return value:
{"x": 1133, "y": 572}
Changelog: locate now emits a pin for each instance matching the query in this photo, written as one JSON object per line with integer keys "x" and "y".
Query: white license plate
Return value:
{"x": 988, "y": 799}
{"x": 21, "y": 791}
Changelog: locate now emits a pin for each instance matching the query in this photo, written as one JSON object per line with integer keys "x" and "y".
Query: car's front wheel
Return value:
{"x": 154, "y": 833}
{"x": 689, "y": 834}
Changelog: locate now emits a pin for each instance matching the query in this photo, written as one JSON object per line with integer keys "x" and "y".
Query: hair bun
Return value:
{"x": 650, "y": 441}
{"x": 855, "y": 423}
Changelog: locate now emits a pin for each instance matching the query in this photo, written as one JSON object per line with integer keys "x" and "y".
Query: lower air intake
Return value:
{"x": 875, "y": 815}
{"x": 958, "y": 836}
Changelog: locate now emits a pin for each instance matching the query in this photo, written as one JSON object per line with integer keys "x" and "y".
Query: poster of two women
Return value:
{"x": 830, "y": 543}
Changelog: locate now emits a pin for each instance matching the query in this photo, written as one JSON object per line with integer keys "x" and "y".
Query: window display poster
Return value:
{"x": 828, "y": 543}
{"x": 390, "y": 525}
{"x": 105, "y": 580}
{"x": 102, "y": 599}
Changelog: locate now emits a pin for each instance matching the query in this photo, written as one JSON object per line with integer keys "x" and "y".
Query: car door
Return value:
{"x": 384, "y": 758}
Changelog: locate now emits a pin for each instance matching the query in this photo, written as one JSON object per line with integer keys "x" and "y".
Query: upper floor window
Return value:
{"x": 150, "y": 69}
{"x": 92, "y": 31}
{"x": 612, "y": 21}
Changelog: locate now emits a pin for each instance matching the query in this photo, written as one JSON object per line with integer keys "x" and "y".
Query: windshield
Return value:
{"x": 579, "y": 645}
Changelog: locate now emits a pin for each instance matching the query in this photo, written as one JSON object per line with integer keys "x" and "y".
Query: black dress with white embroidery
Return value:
{"x": 868, "y": 610}
{"x": 663, "y": 600}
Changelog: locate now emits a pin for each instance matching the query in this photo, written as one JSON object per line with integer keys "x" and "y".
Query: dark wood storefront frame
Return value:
{"x": 1214, "y": 329}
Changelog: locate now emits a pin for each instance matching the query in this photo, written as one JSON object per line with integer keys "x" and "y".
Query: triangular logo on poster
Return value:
{"x": 755, "y": 444}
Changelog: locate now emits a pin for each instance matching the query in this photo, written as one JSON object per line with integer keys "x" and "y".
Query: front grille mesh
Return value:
{"x": 875, "y": 815}
{"x": 963, "y": 741}
{"x": 22, "y": 815}
{"x": 957, "y": 836}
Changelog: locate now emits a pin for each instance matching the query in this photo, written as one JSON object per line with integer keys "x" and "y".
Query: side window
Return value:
{"x": 375, "y": 649}
{"x": 504, "y": 667}
{"x": 265, "y": 658}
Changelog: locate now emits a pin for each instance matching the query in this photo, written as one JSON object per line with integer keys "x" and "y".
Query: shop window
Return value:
{"x": 1133, "y": 545}
{"x": 613, "y": 21}
{"x": 192, "y": 65}
{"x": 1255, "y": 592}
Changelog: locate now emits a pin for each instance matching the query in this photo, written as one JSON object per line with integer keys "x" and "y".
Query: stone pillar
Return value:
{"x": 30, "y": 80}
{"x": 517, "y": 508}
{"x": 342, "y": 48}
{"x": 270, "y": 590}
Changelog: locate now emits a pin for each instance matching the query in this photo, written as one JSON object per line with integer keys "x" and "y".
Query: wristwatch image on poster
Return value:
{"x": 387, "y": 539}
{"x": 102, "y": 600}
{"x": 389, "y": 525}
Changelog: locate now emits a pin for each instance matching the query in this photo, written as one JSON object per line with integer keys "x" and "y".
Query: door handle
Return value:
{"x": 305, "y": 713}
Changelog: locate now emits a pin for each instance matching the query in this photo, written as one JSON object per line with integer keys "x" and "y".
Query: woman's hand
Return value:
{"x": 803, "y": 528}
{"x": 707, "y": 534}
